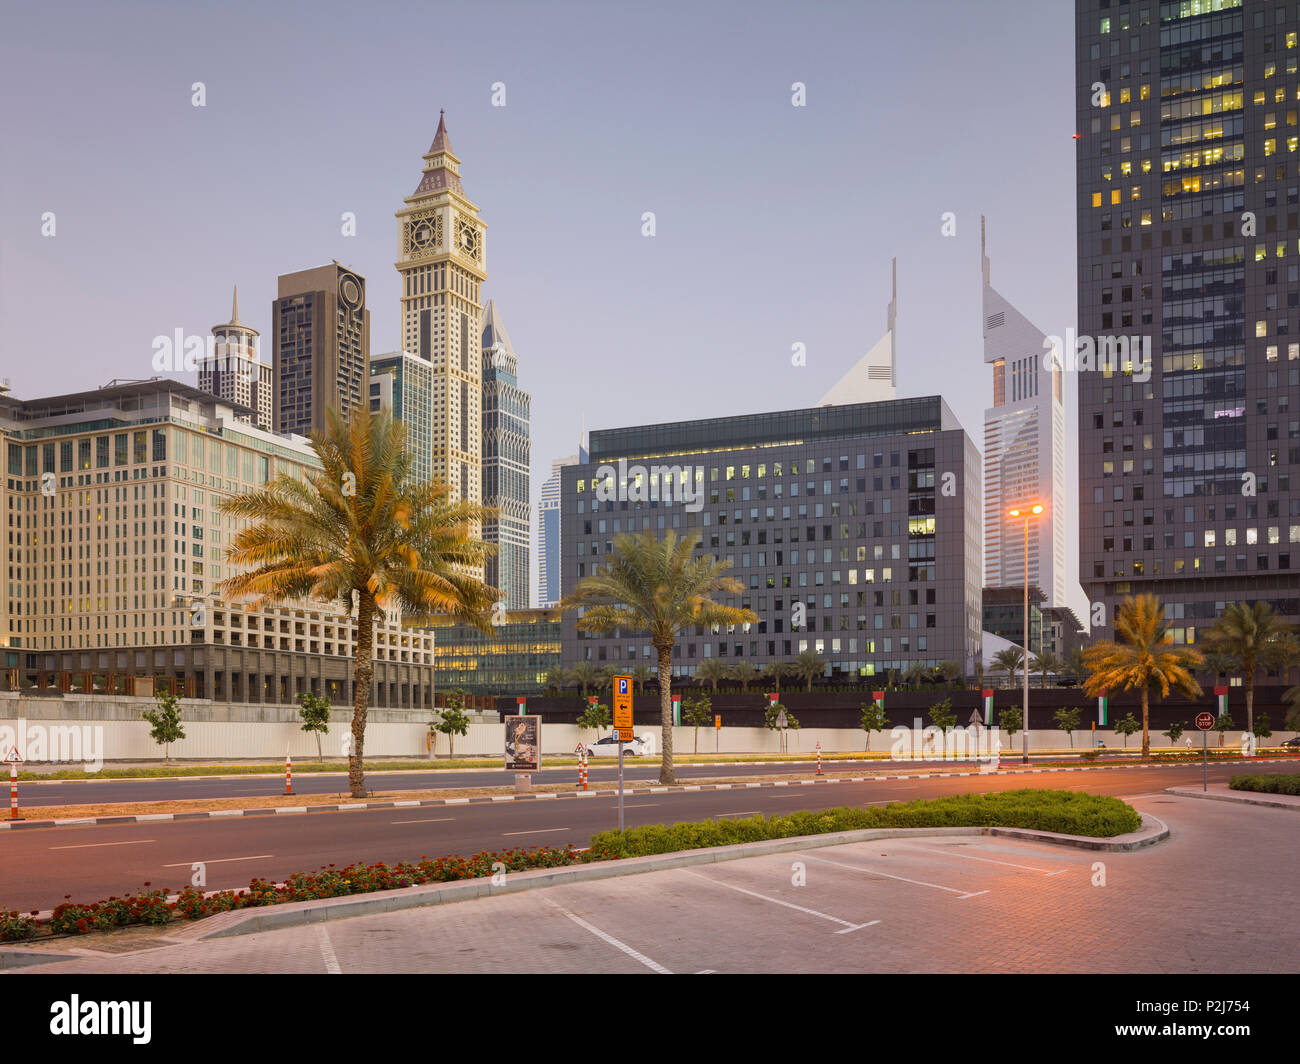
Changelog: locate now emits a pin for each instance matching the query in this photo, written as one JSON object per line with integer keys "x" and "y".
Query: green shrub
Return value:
{"x": 1266, "y": 784}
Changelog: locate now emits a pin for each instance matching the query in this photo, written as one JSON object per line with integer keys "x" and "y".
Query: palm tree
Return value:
{"x": 558, "y": 678}
{"x": 659, "y": 588}
{"x": 1010, "y": 659}
{"x": 1252, "y": 636}
{"x": 1073, "y": 663}
{"x": 1044, "y": 663}
{"x": 361, "y": 533}
{"x": 809, "y": 665}
{"x": 774, "y": 670}
{"x": 640, "y": 674}
{"x": 915, "y": 674}
{"x": 584, "y": 675}
{"x": 1144, "y": 657}
{"x": 710, "y": 671}
{"x": 744, "y": 674}
{"x": 948, "y": 671}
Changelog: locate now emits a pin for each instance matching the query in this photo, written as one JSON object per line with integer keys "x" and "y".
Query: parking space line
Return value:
{"x": 989, "y": 860}
{"x": 789, "y": 905}
{"x": 888, "y": 875}
{"x": 654, "y": 966}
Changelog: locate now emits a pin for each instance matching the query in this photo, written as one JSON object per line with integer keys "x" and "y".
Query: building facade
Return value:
{"x": 854, "y": 529}
{"x": 1024, "y": 449}
{"x": 548, "y": 536}
{"x": 1189, "y": 290}
{"x": 402, "y": 384}
{"x": 321, "y": 332}
{"x": 513, "y": 660}
{"x": 115, "y": 549}
{"x": 507, "y": 454}
{"x": 236, "y": 373}
{"x": 442, "y": 260}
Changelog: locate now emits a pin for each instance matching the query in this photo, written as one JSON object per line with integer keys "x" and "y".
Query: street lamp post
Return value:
{"x": 1024, "y": 701}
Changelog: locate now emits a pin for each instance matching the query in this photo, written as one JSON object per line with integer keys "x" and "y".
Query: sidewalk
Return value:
{"x": 1221, "y": 792}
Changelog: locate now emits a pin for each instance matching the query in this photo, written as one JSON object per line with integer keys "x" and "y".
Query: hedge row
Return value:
{"x": 1067, "y": 812}
{"x": 1266, "y": 784}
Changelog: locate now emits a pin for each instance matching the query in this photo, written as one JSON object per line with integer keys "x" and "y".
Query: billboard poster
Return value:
{"x": 524, "y": 743}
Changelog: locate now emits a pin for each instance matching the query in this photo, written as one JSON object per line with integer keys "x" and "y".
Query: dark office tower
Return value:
{"x": 321, "y": 332}
{"x": 1188, "y": 194}
{"x": 506, "y": 456}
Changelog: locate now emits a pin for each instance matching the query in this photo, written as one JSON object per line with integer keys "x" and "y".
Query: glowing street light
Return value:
{"x": 1027, "y": 512}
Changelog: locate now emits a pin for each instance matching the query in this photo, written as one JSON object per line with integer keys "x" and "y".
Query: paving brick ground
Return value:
{"x": 924, "y": 904}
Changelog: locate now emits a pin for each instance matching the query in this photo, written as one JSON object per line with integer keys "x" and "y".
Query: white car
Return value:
{"x": 608, "y": 747}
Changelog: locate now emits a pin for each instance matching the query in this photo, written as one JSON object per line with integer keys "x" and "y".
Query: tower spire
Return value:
{"x": 234, "y": 306}
{"x": 985, "y": 266}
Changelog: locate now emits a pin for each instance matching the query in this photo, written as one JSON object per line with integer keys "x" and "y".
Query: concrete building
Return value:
{"x": 1189, "y": 307}
{"x": 442, "y": 260}
{"x": 874, "y": 377}
{"x": 115, "y": 548}
{"x": 854, "y": 529}
{"x": 402, "y": 384}
{"x": 548, "y": 536}
{"x": 507, "y": 454}
{"x": 235, "y": 372}
{"x": 513, "y": 660}
{"x": 320, "y": 329}
{"x": 1024, "y": 450}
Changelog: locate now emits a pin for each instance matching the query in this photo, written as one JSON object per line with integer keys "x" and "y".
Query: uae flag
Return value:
{"x": 677, "y": 710}
{"x": 878, "y": 696}
{"x": 1103, "y": 707}
{"x": 988, "y": 705}
{"x": 1221, "y": 700}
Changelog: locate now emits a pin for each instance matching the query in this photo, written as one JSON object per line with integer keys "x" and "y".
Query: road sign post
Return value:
{"x": 623, "y": 722}
{"x": 717, "y": 730}
{"x": 1204, "y": 722}
{"x": 14, "y": 759}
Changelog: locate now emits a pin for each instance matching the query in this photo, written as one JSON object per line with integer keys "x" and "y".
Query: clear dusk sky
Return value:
{"x": 775, "y": 224}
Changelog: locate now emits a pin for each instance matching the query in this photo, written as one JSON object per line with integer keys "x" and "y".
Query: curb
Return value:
{"x": 296, "y": 914}
{"x": 141, "y": 818}
{"x": 1239, "y": 797}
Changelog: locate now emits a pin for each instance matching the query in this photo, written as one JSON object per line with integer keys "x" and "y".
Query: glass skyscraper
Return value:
{"x": 506, "y": 454}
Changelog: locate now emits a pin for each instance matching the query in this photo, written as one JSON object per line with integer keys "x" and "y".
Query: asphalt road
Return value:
{"x": 41, "y": 865}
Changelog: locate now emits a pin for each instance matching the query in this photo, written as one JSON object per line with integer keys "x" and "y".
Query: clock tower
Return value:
{"x": 441, "y": 258}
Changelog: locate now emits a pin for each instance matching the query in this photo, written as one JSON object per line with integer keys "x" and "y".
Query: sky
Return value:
{"x": 774, "y": 224}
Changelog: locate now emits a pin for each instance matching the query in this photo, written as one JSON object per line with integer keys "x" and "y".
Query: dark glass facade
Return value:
{"x": 513, "y": 660}
{"x": 1188, "y": 195}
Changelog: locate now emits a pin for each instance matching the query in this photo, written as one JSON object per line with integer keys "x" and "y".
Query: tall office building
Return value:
{"x": 548, "y": 536}
{"x": 402, "y": 384}
{"x": 321, "y": 332}
{"x": 1188, "y": 195}
{"x": 1024, "y": 449}
{"x": 442, "y": 261}
{"x": 235, "y": 372}
{"x": 874, "y": 377}
{"x": 507, "y": 452}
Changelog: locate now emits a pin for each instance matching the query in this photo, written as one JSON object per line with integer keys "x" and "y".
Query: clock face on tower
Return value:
{"x": 468, "y": 240}
{"x": 422, "y": 234}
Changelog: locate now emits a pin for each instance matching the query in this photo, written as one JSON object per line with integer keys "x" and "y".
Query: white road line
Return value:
{"x": 887, "y": 875}
{"x": 746, "y": 812}
{"x": 434, "y": 820}
{"x": 539, "y": 831}
{"x": 989, "y": 860}
{"x": 221, "y": 860}
{"x": 654, "y": 966}
{"x": 639, "y": 805}
{"x": 327, "y": 951}
{"x": 789, "y": 905}
{"x": 92, "y": 845}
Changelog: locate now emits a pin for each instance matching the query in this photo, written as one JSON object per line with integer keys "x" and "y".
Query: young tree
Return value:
{"x": 164, "y": 720}
{"x": 1175, "y": 730}
{"x": 774, "y": 670}
{"x": 453, "y": 720}
{"x": 744, "y": 674}
{"x": 772, "y": 718}
{"x": 943, "y": 717}
{"x": 1261, "y": 728}
{"x": 1127, "y": 727}
{"x": 809, "y": 666}
{"x": 1009, "y": 720}
{"x": 1253, "y": 637}
{"x": 1067, "y": 719}
{"x": 873, "y": 719}
{"x": 660, "y": 588}
{"x": 697, "y": 712}
{"x": 1144, "y": 657}
{"x": 915, "y": 674}
{"x": 640, "y": 674}
{"x": 585, "y": 675}
{"x": 1010, "y": 660}
{"x": 362, "y": 533}
{"x": 315, "y": 714}
{"x": 1223, "y": 724}
{"x": 594, "y": 717}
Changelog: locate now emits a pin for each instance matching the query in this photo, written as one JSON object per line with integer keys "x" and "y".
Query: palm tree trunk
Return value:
{"x": 666, "y": 713}
{"x": 363, "y": 672}
{"x": 1250, "y": 702}
{"x": 1146, "y": 728}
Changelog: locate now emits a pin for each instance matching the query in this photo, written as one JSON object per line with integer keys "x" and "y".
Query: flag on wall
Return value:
{"x": 988, "y": 705}
{"x": 1103, "y": 706}
{"x": 1221, "y": 700}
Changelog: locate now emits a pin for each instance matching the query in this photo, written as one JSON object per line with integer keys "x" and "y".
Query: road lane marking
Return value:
{"x": 887, "y": 875}
{"x": 990, "y": 860}
{"x": 654, "y": 966}
{"x": 327, "y": 951}
{"x": 433, "y": 820}
{"x": 746, "y": 812}
{"x": 640, "y": 805}
{"x": 789, "y": 905}
{"x": 220, "y": 860}
{"x": 92, "y": 845}
{"x": 539, "y": 831}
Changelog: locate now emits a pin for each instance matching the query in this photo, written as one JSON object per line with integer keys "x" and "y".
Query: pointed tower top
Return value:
{"x": 985, "y": 266}
{"x": 441, "y": 142}
{"x": 441, "y": 167}
{"x": 234, "y": 307}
